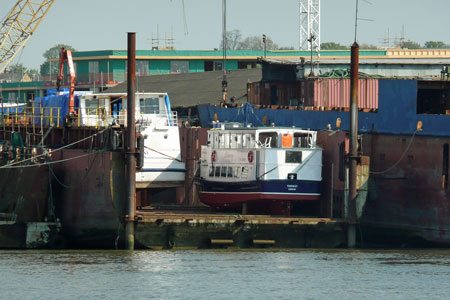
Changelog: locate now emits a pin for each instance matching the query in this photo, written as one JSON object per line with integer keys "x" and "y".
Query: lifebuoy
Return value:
{"x": 250, "y": 156}
{"x": 213, "y": 156}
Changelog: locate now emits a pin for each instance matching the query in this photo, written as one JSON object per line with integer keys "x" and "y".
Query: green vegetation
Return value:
{"x": 51, "y": 67}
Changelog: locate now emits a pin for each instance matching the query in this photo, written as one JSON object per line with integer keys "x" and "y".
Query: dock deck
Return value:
{"x": 202, "y": 230}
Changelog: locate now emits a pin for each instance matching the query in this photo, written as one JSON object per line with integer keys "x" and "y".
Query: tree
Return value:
{"x": 408, "y": 44}
{"x": 256, "y": 43}
{"x": 233, "y": 37}
{"x": 333, "y": 46}
{"x": 367, "y": 46}
{"x": 51, "y": 67}
{"x": 286, "y": 48}
{"x": 435, "y": 45}
{"x": 18, "y": 69}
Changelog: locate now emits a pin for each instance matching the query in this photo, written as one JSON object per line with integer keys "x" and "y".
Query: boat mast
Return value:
{"x": 224, "y": 51}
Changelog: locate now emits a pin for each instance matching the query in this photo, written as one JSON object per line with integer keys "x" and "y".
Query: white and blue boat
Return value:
{"x": 262, "y": 168}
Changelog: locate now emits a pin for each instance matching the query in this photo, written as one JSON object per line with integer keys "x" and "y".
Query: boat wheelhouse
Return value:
{"x": 155, "y": 122}
{"x": 262, "y": 169}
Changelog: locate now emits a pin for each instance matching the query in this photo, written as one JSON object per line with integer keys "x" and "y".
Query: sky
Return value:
{"x": 103, "y": 24}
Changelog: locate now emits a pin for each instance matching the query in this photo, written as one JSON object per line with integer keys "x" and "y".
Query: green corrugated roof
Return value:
{"x": 206, "y": 53}
{"x": 6, "y": 85}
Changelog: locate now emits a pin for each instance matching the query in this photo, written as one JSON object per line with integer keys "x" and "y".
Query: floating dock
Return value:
{"x": 191, "y": 230}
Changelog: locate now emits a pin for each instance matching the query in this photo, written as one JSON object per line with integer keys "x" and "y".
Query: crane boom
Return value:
{"x": 18, "y": 27}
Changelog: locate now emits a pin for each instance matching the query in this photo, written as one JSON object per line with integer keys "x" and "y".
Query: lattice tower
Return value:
{"x": 309, "y": 24}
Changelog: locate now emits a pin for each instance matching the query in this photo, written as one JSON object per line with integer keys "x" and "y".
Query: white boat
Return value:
{"x": 155, "y": 121}
{"x": 265, "y": 168}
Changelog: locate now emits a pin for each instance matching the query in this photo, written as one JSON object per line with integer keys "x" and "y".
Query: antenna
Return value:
{"x": 356, "y": 19}
{"x": 309, "y": 24}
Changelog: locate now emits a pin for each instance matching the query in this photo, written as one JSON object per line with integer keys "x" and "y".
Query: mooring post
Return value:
{"x": 131, "y": 143}
{"x": 353, "y": 158}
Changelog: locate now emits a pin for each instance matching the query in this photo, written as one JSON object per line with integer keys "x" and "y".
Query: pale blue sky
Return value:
{"x": 102, "y": 24}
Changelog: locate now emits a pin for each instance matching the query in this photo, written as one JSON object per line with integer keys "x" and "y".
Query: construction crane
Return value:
{"x": 18, "y": 27}
{"x": 66, "y": 56}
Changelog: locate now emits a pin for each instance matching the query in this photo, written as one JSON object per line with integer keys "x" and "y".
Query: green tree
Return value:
{"x": 435, "y": 45}
{"x": 256, "y": 43}
{"x": 333, "y": 46}
{"x": 367, "y": 46}
{"x": 286, "y": 48}
{"x": 234, "y": 37}
{"x": 408, "y": 44}
{"x": 18, "y": 69}
{"x": 50, "y": 66}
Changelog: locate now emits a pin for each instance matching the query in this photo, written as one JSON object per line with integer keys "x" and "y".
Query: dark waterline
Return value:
{"x": 303, "y": 274}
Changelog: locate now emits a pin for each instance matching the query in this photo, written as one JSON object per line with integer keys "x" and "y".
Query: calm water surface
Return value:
{"x": 306, "y": 274}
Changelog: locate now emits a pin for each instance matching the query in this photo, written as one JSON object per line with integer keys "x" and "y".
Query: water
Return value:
{"x": 305, "y": 274}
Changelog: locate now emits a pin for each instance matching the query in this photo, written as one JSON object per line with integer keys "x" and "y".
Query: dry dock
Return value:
{"x": 181, "y": 230}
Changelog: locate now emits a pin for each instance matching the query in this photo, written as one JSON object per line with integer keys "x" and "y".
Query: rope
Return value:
{"x": 174, "y": 158}
{"x": 48, "y": 163}
{"x": 401, "y": 157}
{"x": 44, "y": 154}
{"x": 57, "y": 180}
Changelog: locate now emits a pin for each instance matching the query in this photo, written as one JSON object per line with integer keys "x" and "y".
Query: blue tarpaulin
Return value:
{"x": 11, "y": 110}
{"x": 52, "y": 108}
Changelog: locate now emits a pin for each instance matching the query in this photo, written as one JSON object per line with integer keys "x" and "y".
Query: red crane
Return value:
{"x": 66, "y": 56}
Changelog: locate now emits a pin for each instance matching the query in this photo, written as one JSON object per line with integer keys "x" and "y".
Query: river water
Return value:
{"x": 304, "y": 274}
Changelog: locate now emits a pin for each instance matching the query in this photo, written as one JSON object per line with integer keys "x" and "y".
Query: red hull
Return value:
{"x": 236, "y": 199}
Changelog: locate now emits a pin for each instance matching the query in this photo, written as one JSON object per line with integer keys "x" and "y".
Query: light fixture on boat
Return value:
{"x": 419, "y": 126}
{"x": 338, "y": 123}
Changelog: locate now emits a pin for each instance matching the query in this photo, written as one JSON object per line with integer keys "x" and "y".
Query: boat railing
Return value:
{"x": 83, "y": 117}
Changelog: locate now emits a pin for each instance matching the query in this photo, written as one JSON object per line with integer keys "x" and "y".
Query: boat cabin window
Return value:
{"x": 433, "y": 97}
{"x": 244, "y": 172}
{"x": 223, "y": 172}
{"x": 149, "y": 105}
{"x": 237, "y": 172}
{"x": 217, "y": 172}
{"x": 236, "y": 140}
{"x": 95, "y": 106}
{"x": 293, "y": 157}
{"x": 268, "y": 139}
{"x": 302, "y": 140}
{"x": 211, "y": 171}
{"x": 230, "y": 172}
{"x": 248, "y": 140}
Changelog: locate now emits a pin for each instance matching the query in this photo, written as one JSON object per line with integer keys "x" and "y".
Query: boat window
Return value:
{"x": 251, "y": 143}
{"x": 91, "y": 106}
{"x": 221, "y": 141}
{"x": 302, "y": 140}
{"x": 224, "y": 172}
{"x": 210, "y": 139}
{"x": 217, "y": 172}
{"x": 293, "y": 157}
{"x": 245, "y": 140}
{"x": 226, "y": 137}
{"x": 236, "y": 141}
{"x": 216, "y": 140}
{"x": 211, "y": 171}
{"x": 149, "y": 105}
{"x": 237, "y": 172}
{"x": 433, "y": 97}
{"x": 244, "y": 173}
{"x": 230, "y": 172}
{"x": 268, "y": 139}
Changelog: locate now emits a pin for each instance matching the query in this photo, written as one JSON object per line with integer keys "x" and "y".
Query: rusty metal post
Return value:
{"x": 353, "y": 158}
{"x": 131, "y": 143}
